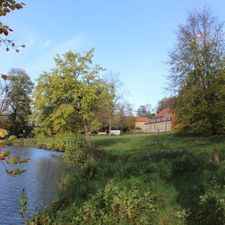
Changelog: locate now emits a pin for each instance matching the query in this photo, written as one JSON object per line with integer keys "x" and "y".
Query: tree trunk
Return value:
{"x": 110, "y": 124}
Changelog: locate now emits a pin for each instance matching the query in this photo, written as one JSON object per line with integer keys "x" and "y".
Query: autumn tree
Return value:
{"x": 67, "y": 98}
{"x": 20, "y": 88}
{"x": 197, "y": 66}
{"x": 6, "y": 7}
{"x": 167, "y": 102}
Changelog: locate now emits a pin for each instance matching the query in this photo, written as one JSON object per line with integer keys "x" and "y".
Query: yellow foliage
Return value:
{"x": 16, "y": 171}
{"x": 4, "y": 154}
{"x": 3, "y": 133}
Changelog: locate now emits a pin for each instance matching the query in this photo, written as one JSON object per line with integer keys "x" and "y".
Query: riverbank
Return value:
{"x": 49, "y": 143}
{"x": 159, "y": 180}
{"x": 133, "y": 142}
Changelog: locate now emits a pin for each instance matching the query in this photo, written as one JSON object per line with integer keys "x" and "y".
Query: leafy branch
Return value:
{"x": 7, "y": 6}
{"x": 6, "y": 158}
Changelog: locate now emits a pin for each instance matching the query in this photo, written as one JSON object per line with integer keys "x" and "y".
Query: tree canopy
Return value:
{"x": 197, "y": 66}
{"x": 20, "y": 88}
{"x": 67, "y": 98}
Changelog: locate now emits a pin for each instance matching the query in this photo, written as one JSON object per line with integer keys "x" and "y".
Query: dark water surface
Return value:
{"x": 40, "y": 181}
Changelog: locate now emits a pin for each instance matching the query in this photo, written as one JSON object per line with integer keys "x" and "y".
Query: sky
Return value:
{"x": 132, "y": 38}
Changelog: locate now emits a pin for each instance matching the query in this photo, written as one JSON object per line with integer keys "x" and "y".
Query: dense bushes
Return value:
{"x": 211, "y": 209}
{"x": 117, "y": 203}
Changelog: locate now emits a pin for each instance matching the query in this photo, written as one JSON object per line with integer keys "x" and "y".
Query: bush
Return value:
{"x": 189, "y": 163}
{"x": 77, "y": 151}
{"x": 211, "y": 209}
{"x": 117, "y": 204}
{"x": 12, "y": 138}
{"x": 56, "y": 145}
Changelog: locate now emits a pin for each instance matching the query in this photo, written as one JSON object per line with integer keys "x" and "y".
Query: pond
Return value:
{"x": 40, "y": 181}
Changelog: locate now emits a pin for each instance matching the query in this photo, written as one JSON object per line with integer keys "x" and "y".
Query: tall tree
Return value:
{"x": 112, "y": 94}
{"x": 19, "y": 101}
{"x": 67, "y": 98}
{"x": 106, "y": 107}
{"x": 123, "y": 118}
{"x": 197, "y": 74}
{"x": 7, "y": 6}
{"x": 4, "y": 101}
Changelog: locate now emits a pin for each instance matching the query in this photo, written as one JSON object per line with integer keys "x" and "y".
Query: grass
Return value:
{"x": 132, "y": 144}
{"x": 185, "y": 186}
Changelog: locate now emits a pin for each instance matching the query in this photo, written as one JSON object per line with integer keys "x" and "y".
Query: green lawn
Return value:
{"x": 132, "y": 144}
{"x": 182, "y": 184}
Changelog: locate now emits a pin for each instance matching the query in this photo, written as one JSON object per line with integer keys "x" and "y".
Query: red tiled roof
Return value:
{"x": 141, "y": 119}
{"x": 164, "y": 112}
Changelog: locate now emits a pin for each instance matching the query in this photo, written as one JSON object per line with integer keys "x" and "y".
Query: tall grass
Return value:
{"x": 159, "y": 180}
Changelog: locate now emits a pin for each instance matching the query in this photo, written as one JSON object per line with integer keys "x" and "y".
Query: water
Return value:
{"x": 40, "y": 181}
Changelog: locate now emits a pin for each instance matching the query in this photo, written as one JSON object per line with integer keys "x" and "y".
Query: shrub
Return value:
{"x": 57, "y": 145}
{"x": 118, "y": 205}
{"x": 77, "y": 151}
{"x": 12, "y": 138}
{"x": 189, "y": 163}
{"x": 211, "y": 209}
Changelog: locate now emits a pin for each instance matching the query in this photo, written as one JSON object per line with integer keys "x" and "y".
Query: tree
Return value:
{"x": 5, "y": 156}
{"x": 145, "y": 110}
{"x": 166, "y": 103}
{"x": 7, "y": 6}
{"x": 106, "y": 107}
{"x": 110, "y": 98}
{"x": 197, "y": 66}
{"x": 19, "y": 101}
{"x": 66, "y": 99}
{"x": 123, "y": 118}
{"x": 116, "y": 94}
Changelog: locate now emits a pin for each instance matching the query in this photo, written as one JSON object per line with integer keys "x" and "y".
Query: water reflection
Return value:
{"x": 40, "y": 180}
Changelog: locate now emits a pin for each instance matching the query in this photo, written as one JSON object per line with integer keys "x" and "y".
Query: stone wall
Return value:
{"x": 158, "y": 127}
{"x": 140, "y": 125}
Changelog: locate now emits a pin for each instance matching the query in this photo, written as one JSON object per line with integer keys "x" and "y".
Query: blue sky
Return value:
{"x": 132, "y": 38}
